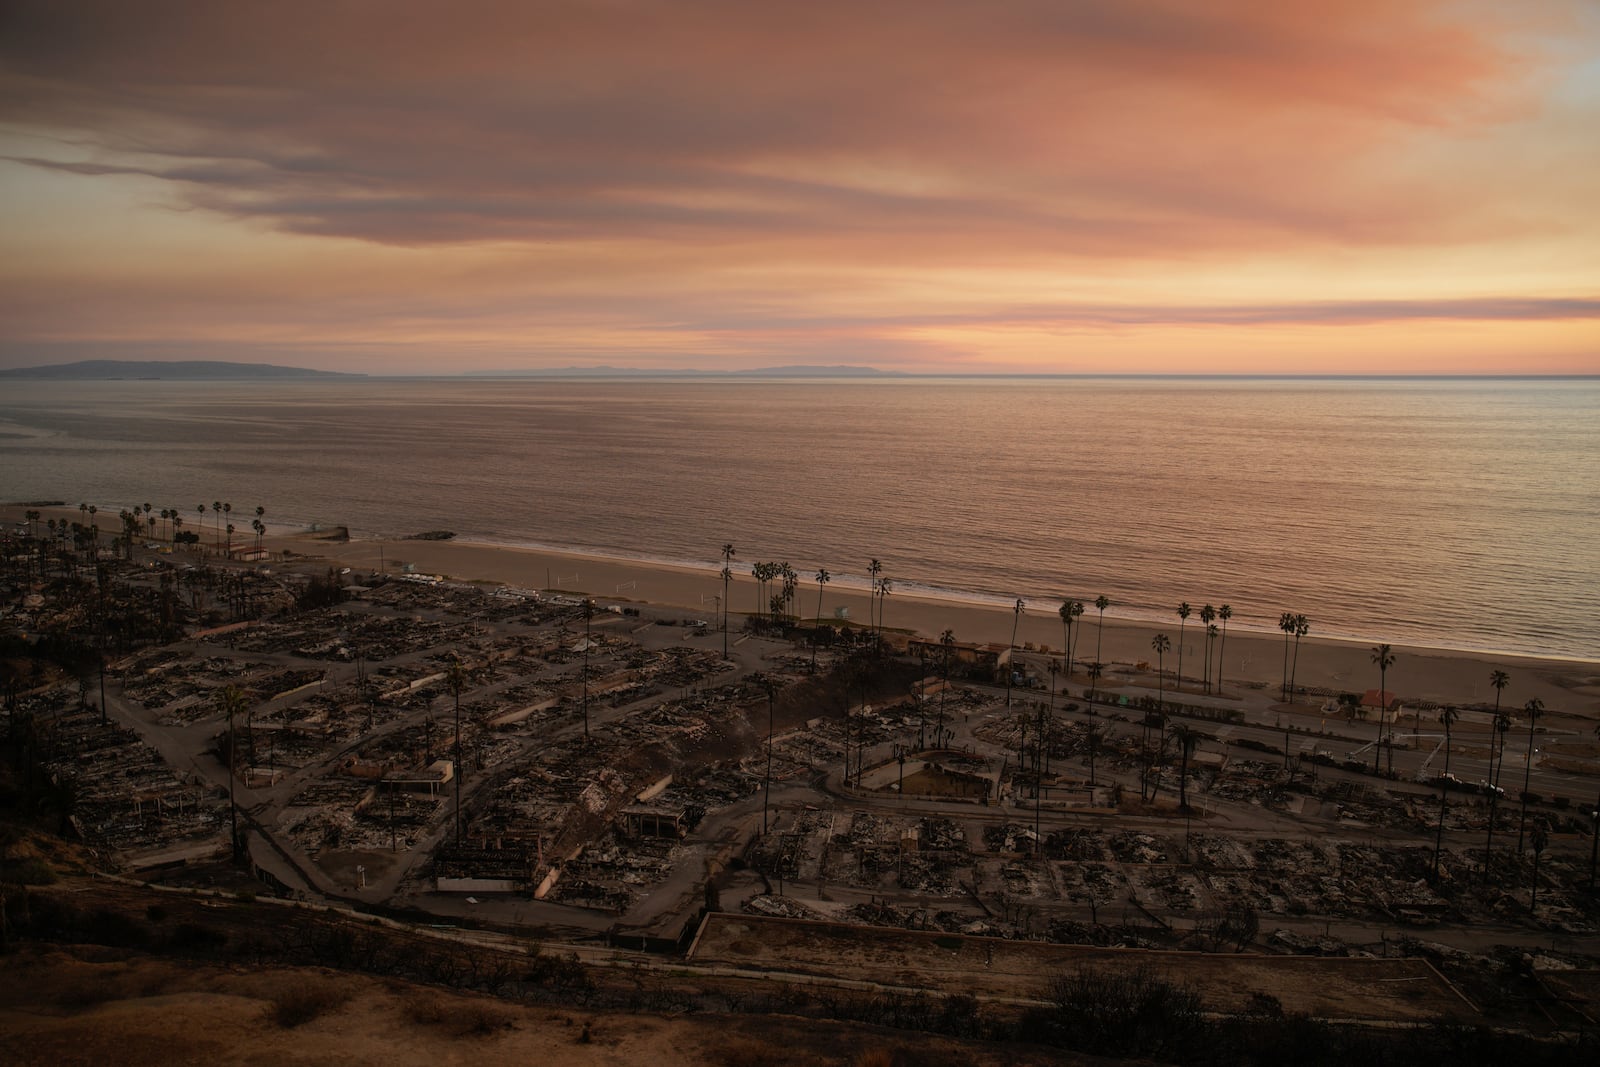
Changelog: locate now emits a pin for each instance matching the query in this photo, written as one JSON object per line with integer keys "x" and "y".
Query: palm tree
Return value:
{"x": 1016, "y": 617}
{"x": 1534, "y": 709}
{"x": 1594, "y": 830}
{"x": 1183, "y": 620}
{"x": 216, "y": 517}
{"x": 766, "y": 793}
{"x": 885, "y": 586}
{"x": 1302, "y": 626}
{"x": 1383, "y": 658}
{"x": 1501, "y": 726}
{"x": 202, "y": 524}
{"x": 1286, "y": 624}
{"x": 1207, "y": 614}
{"x": 588, "y": 616}
{"x": 1187, "y": 741}
{"x": 1095, "y": 670}
{"x": 874, "y": 568}
{"x": 1498, "y": 679}
{"x": 1160, "y": 643}
{"x": 727, "y": 576}
{"x": 1070, "y": 609}
{"x": 948, "y": 641}
{"x": 1102, "y": 602}
{"x": 456, "y": 676}
{"x": 1447, "y": 716}
{"x": 823, "y": 578}
{"x": 1541, "y": 837}
{"x": 231, "y": 701}
{"x": 1093, "y": 741}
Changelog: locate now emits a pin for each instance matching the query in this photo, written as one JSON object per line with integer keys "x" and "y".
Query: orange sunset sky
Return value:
{"x": 1359, "y": 186}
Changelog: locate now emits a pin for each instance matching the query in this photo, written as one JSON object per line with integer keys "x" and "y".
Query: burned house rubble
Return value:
{"x": 444, "y": 746}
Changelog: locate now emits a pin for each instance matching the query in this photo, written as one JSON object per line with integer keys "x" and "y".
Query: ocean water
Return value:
{"x": 1455, "y": 513}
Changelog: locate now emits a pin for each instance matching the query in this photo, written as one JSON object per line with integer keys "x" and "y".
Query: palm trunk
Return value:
{"x": 1527, "y": 777}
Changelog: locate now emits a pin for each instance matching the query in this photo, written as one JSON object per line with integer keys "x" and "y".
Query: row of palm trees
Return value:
{"x": 779, "y": 602}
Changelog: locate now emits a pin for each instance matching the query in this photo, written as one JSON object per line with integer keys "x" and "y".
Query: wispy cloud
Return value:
{"x": 734, "y": 160}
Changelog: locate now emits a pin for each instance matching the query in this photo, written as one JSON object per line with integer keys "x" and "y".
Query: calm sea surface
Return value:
{"x": 1462, "y": 514}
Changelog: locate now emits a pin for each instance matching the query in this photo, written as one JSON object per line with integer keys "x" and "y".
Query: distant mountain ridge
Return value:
{"x": 798, "y": 370}
{"x": 169, "y": 370}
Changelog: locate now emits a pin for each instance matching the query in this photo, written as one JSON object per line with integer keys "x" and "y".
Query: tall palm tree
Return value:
{"x": 1160, "y": 643}
{"x": 1447, "y": 717}
{"x": 202, "y": 524}
{"x": 1534, "y": 709}
{"x": 948, "y": 641}
{"x": 1070, "y": 610}
{"x": 1286, "y": 624}
{"x": 1054, "y": 666}
{"x": 1501, "y": 726}
{"x": 1541, "y": 837}
{"x": 1383, "y": 658}
{"x": 885, "y": 587}
{"x": 1183, "y": 620}
{"x": 1096, "y": 669}
{"x": 588, "y": 644}
{"x": 1207, "y": 614}
{"x": 727, "y": 576}
{"x": 1016, "y": 617}
{"x": 823, "y": 578}
{"x": 874, "y": 568}
{"x": 456, "y": 676}
{"x": 1102, "y": 602}
{"x": 771, "y": 688}
{"x": 1499, "y": 679}
{"x": 1302, "y": 626}
{"x": 1594, "y": 830}
{"x": 1187, "y": 741}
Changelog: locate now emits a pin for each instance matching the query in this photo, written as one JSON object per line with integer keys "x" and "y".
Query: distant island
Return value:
{"x": 606, "y": 371}
{"x": 168, "y": 370}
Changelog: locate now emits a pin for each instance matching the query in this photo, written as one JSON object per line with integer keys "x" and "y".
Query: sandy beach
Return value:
{"x": 1566, "y": 687}
{"x": 1570, "y": 687}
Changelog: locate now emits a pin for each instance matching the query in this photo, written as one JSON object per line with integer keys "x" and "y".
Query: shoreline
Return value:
{"x": 1566, "y": 685}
